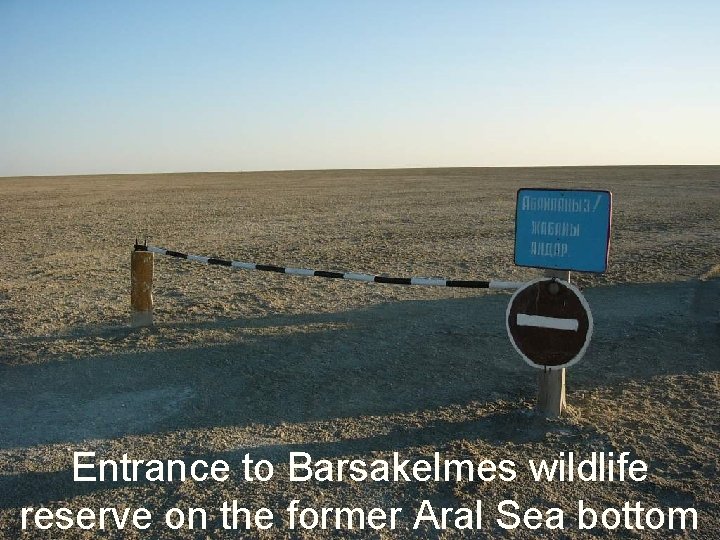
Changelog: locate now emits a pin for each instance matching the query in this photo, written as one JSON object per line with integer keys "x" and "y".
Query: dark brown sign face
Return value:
{"x": 549, "y": 323}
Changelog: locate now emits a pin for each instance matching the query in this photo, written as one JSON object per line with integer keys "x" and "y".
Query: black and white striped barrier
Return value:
{"x": 352, "y": 276}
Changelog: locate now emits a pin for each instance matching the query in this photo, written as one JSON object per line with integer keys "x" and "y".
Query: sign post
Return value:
{"x": 548, "y": 321}
{"x": 551, "y": 382}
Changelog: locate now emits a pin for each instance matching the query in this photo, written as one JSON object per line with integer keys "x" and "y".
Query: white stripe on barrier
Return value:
{"x": 300, "y": 271}
{"x": 353, "y": 276}
{"x": 430, "y": 282}
{"x": 243, "y": 265}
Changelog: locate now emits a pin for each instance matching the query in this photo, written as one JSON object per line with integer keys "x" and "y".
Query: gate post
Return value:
{"x": 141, "y": 280}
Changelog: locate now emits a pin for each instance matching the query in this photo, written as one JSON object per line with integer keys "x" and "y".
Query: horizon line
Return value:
{"x": 257, "y": 171}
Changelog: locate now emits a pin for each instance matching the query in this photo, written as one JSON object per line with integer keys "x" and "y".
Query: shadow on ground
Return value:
{"x": 392, "y": 358}
{"x": 518, "y": 426}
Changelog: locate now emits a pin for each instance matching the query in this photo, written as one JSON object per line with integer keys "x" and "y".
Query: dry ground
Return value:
{"x": 253, "y": 362}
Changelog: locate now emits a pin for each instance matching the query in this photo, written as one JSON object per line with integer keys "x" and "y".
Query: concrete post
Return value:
{"x": 551, "y": 383}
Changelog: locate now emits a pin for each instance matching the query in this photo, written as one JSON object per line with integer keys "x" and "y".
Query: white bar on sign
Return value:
{"x": 547, "y": 322}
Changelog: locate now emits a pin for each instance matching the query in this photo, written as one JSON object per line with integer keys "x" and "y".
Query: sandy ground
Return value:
{"x": 254, "y": 362}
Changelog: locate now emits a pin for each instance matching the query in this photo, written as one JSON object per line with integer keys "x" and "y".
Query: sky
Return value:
{"x": 103, "y": 86}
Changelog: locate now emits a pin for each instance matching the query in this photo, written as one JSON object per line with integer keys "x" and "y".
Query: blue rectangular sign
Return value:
{"x": 563, "y": 229}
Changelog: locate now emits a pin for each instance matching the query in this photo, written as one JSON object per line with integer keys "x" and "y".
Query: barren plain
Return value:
{"x": 251, "y": 362}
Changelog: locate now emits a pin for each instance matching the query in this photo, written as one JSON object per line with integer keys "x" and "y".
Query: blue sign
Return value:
{"x": 563, "y": 229}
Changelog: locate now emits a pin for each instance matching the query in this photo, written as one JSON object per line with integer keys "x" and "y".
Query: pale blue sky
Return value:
{"x": 152, "y": 86}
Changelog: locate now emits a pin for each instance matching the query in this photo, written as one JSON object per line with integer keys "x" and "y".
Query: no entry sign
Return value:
{"x": 549, "y": 323}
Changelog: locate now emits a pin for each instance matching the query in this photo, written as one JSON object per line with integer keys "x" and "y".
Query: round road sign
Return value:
{"x": 549, "y": 323}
